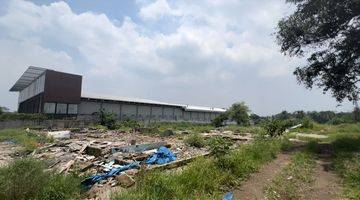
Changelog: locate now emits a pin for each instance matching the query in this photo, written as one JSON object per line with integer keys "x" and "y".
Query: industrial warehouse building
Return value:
{"x": 51, "y": 92}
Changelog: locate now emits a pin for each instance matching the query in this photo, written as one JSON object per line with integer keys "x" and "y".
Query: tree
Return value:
{"x": 328, "y": 33}
{"x": 239, "y": 112}
{"x": 283, "y": 115}
{"x": 219, "y": 120}
{"x": 356, "y": 112}
{"x": 256, "y": 119}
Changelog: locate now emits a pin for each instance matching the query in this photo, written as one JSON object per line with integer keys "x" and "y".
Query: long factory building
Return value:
{"x": 48, "y": 91}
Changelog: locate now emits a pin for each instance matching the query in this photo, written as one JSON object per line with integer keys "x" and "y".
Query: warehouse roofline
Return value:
{"x": 147, "y": 101}
{"x": 27, "y": 78}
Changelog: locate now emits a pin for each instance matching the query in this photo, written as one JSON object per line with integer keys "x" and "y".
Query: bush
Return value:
{"x": 24, "y": 116}
{"x": 195, "y": 140}
{"x": 219, "y": 146}
{"x": 26, "y": 179}
{"x": 107, "y": 119}
{"x": 307, "y": 123}
{"x": 219, "y": 120}
{"x": 277, "y": 127}
{"x": 167, "y": 133}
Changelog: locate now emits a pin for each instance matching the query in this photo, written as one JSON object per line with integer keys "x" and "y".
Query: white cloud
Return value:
{"x": 213, "y": 44}
{"x": 158, "y": 9}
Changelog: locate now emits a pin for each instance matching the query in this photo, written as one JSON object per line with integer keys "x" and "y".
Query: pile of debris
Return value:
{"x": 114, "y": 158}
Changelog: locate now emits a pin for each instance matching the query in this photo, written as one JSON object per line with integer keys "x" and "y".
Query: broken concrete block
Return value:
{"x": 125, "y": 180}
{"x": 59, "y": 134}
{"x": 93, "y": 151}
{"x": 138, "y": 148}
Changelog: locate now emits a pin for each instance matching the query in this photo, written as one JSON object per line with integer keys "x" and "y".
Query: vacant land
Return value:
{"x": 242, "y": 160}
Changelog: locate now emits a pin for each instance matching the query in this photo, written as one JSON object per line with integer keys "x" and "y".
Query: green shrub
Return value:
{"x": 107, "y": 119}
{"x": 275, "y": 127}
{"x": 167, "y": 133}
{"x": 195, "y": 140}
{"x": 24, "y": 116}
{"x": 219, "y": 146}
{"x": 307, "y": 123}
{"x": 26, "y": 179}
{"x": 219, "y": 120}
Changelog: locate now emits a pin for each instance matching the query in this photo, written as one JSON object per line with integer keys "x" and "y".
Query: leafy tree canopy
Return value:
{"x": 239, "y": 112}
{"x": 328, "y": 33}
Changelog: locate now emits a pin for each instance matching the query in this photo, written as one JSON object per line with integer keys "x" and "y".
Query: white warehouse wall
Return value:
{"x": 145, "y": 113}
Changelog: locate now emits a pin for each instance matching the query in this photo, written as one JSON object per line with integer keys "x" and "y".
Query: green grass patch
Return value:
{"x": 346, "y": 145}
{"x": 27, "y": 179}
{"x": 28, "y": 140}
{"x": 204, "y": 178}
{"x": 294, "y": 181}
{"x": 195, "y": 140}
{"x": 345, "y": 140}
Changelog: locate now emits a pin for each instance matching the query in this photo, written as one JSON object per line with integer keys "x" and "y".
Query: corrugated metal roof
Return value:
{"x": 27, "y": 78}
{"x": 204, "y": 109}
{"x": 147, "y": 101}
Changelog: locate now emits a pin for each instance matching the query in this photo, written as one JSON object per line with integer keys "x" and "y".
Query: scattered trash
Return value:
{"x": 228, "y": 196}
{"x": 59, "y": 134}
{"x": 138, "y": 148}
{"x": 102, "y": 176}
{"x": 162, "y": 156}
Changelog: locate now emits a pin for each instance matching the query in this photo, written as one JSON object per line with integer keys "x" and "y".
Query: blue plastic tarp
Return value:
{"x": 229, "y": 196}
{"x": 102, "y": 176}
{"x": 162, "y": 156}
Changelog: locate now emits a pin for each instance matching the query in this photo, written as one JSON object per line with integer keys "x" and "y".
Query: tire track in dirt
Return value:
{"x": 327, "y": 183}
{"x": 253, "y": 187}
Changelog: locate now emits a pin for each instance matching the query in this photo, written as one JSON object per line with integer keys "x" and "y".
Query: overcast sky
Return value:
{"x": 203, "y": 52}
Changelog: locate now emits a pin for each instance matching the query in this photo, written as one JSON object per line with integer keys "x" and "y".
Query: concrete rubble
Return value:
{"x": 97, "y": 151}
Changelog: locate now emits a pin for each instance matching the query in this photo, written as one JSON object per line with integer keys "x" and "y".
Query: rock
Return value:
{"x": 132, "y": 172}
{"x": 125, "y": 180}
{"x": 75, "y": 147}
{"x": 228, "y": 132}
{"x": 93, "y": 151}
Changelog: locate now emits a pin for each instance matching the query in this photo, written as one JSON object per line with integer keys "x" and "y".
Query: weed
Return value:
{"x": 294, "y": 180}
{"x": 28, "y": 140}
{"x": 195, "y": 140}
{"x": 204, "y": 178}
{"x": 219, "y": 146}
{"x": 26, "y": 179}
{"x": 107, "y": 119}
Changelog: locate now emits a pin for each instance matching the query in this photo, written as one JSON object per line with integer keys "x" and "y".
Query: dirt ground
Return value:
{"x": 326, "y": 181}
{"x": 326, "y": 186}
{"x": 7, "y": 151}
{"x": 253, "y": 188}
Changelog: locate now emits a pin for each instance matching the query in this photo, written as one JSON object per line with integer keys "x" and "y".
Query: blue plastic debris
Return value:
{"x": 162, "y": 156}
{"x": 228, "y": 196}
{"x": 114, "y": 171}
